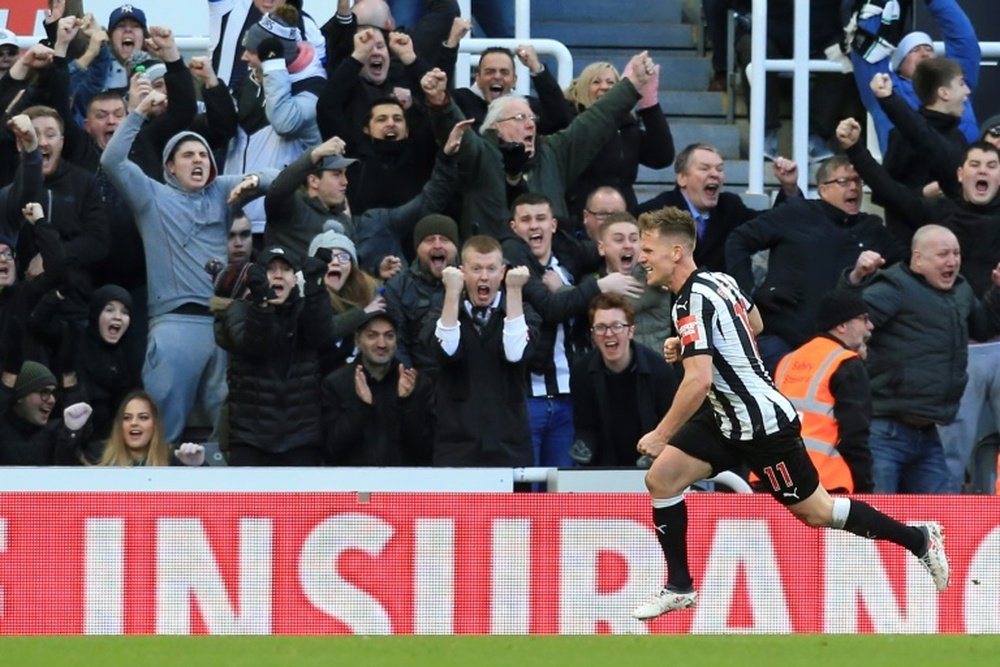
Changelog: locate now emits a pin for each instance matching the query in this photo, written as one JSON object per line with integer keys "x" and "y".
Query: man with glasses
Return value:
{"x": 601, "y": 202}
{"x": 620, "y": 389}
{"x": 508, "y": 157}
{"x": 29, "y": 433}
{"x": 826, "y": 381}
{"x": 811, "y": 242}
{"x": 701, "y": 176}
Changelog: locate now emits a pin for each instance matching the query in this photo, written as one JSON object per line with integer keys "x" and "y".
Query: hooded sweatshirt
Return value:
{"x": 180, "y": 230}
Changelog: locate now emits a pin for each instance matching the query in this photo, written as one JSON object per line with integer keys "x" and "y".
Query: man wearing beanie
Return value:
{"x": 29, "y": 433}
{"x": 960, "y": 44}
{"x": 924, "y": 316}
{"x": 287, "y": 73}
{"x": 410, "y": 293}
{"x": 827, "y": 383}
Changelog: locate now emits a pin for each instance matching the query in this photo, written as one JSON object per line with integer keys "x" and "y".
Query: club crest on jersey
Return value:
{"x": 688, "y": 330}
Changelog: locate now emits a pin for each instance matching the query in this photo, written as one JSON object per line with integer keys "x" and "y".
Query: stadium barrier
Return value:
{"x": 145, "y": 558}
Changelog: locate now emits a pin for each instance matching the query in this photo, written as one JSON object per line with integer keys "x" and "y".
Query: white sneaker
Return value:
{"x": 935, "y": 561}
{"x": 662, "y": 602}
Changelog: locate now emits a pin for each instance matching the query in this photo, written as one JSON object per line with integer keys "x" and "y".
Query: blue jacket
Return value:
{"x": 960, "y": 44}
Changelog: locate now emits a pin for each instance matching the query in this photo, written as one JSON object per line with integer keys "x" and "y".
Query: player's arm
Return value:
{"x": 688, "y": 399}
{"x": 756, "y": 321}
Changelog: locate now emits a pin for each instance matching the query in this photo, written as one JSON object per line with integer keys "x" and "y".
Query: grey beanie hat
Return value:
{"x": 32, "y": 377}
{"x": 332, "y": 239}
{"x": 272, "y": 26}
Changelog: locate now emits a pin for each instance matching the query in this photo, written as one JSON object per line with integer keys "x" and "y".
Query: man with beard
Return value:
{"x": 483, "y": 337}
{"x": 973, "y": 215}
{"x": 924, "y": 316}
{"x": 388, "y": 153}
{"x": 701, "y": 175}
{"x": 410, "y": 293}
{"x": 826, "y": 381}
{"x": 811, "y": 242}
{"x": 496, "y": 77}
{"x": 377, "y": 410}
{"x": 507, "y": 158}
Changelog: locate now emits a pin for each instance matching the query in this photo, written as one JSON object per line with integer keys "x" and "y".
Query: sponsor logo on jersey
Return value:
{"x": 688, "y": 330}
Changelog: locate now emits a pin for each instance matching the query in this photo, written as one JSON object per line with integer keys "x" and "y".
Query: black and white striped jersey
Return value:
{"x": 710, "y": 315}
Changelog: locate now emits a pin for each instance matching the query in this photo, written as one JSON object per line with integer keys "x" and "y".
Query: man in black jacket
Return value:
{"x": 377, "y": 412}
{"x": 811, "y": 242}
{"x": 410, "y": 293}
{"x": 620, "y": 389}
{"x": 701, "y": 175}
{"x": 483, "y": 338}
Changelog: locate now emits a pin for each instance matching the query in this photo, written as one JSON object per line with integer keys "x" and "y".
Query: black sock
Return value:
{"x": 868, "y": 522}
{"x": 671, "y": 530}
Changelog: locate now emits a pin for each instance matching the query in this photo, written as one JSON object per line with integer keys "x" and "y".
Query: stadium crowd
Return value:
{"x": 314, "y": 245}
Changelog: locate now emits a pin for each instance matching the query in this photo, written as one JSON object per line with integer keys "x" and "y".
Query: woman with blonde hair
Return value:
{"x": 137, "y": 437}
{"x": 643, "y": 137}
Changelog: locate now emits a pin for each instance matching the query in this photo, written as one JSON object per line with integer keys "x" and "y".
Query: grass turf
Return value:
{"x": 547, "y": 651}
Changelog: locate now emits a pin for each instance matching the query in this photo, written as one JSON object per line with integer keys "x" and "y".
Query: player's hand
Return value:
{"x": 672, "y": 349}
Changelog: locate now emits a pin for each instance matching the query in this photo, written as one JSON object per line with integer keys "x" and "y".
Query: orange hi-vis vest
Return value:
{"x": 804, "y": 377}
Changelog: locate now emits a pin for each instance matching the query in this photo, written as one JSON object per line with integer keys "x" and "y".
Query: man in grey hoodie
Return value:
{"x": 183, "y": 223}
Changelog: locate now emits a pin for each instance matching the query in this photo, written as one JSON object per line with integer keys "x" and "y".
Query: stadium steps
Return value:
{"x": 611, "y": 31}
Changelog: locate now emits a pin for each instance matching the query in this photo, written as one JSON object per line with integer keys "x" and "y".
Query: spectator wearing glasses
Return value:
{"x": 701, "y": 175}
{"x": 620, "y": 389}
{"x": 31, "y": 431}
{"x": 811, "y": 242}
{"x": 601, "y": 202}
{"x": 497, "y": 165}
{"x": 989, "y": 131}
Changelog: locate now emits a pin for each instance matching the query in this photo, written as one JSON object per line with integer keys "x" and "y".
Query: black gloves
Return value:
{"x": 324, "y": 254}
{"x": 313, "y": 272}
{"x": 515, "y": 158}
{"x": 270, "y": 48}
{"x": 259, "y": 285}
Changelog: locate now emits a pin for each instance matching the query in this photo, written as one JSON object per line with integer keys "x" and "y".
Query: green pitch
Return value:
{"x": 540, "y": 651}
